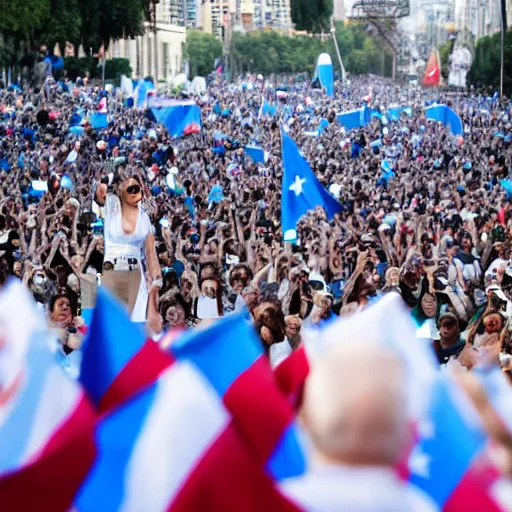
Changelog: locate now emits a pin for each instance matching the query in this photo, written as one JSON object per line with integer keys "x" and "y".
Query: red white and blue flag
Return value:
{"x": 450, "y": 440}
{"x": 46, "y": 423}
{"x": 117, "y": 361}
{"x": 213, "y": 432}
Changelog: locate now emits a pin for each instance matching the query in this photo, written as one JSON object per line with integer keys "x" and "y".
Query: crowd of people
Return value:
{"x": 188, "y": 230}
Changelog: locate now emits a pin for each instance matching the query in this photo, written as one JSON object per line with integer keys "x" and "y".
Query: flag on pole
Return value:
{"x": 301, "y": 189}
{"x": 214, "y": 432}
{"x": 432, "y": 75}
{"x": 46, "y": 422}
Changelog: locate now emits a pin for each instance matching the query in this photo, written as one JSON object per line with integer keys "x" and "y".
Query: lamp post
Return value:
{"x": 503, "y": 18}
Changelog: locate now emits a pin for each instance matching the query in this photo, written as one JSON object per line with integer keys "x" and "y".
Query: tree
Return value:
{"x": 484, "y": 72}
{"x": 271, "y": 52}
{"x": 445, "y": 50}
{"x": 311, "y": 15}
{"x": 202, "y": 50}
{"x": 23, "y": 16}
{"x": 62, "y": 24}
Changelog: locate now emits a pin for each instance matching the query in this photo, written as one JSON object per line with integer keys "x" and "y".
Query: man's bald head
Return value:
{"x": 355, "y": 405}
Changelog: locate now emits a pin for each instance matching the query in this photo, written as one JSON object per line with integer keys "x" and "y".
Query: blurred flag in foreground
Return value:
{"x": 448, "y": 460}
{"x": 117, "y": 359}
{"x": 212, "y": 433}
{"x": 46, "y": 423}
{"x": 301, "y": 190}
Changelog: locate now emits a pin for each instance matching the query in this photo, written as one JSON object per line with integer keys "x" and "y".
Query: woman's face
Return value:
{"x": 132, "y": 192}
{"x": 62, "y": 310}
{"x": 209, "y": 288}
{"x": 175, "y": 316}
{"x": 239, "y": 280}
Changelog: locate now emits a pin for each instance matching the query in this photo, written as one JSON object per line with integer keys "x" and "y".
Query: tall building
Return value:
{"x": 339, "y": 10}
{"x": 479, "y": 17}
{"x": 244, "y": 15}
{"x": 157, "y": 53}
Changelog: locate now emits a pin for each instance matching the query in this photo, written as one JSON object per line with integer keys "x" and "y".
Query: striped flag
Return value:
{"x": 46, "y": 423}
{"x": 212, "y": 432}
{"x": 449, "y": 462}
{"x": 117, "y": 359}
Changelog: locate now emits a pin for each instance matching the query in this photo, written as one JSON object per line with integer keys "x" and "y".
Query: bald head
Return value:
{"x": 355, "y": 405}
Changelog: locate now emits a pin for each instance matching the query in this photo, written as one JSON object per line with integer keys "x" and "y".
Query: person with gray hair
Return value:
{"x": 354, "y": 412}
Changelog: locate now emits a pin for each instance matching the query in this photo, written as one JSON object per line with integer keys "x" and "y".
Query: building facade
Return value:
{"x": 157, "y": 53}
{"x": 339, "y": 10}
{"x": 220, "y": 15}
{"x": 479, "y": 17}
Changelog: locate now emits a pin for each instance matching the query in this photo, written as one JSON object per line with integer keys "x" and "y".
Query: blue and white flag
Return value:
{"x": 301, "y": 190}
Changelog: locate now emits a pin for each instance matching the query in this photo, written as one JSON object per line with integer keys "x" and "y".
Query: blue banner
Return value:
{"x": 180, "y": 119}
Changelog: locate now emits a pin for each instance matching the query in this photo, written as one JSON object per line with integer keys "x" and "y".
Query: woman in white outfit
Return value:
{"x": 130, "y": 252}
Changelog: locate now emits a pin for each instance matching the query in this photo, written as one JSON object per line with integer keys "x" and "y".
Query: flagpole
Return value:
{"x": 333, "y": 32}
{"x": 503, "y": 19}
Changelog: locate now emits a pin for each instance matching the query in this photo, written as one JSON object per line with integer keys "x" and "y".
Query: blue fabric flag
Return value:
{"x": 301, "y": 190}
{"x": 447, "y": 116}
{"x": 216, "y": 194}
{"x": 256, "y": 153}
{"x": 141, "y": 92}
{"x": 179, "y": 118}
{"x": 98, "y": 120}
{"x": 356, "y": 118}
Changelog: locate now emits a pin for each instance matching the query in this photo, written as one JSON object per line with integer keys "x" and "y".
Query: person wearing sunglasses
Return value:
{"x": 130, "y": 241}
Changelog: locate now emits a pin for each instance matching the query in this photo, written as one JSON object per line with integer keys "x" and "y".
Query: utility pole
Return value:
{"x": 152, "y": 20}
{"x": 333, "y": 32}
{"x": 503, "y": 13}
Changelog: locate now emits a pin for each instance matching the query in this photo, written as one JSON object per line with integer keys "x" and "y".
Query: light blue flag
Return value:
{"x": 256, "y": 153}
{"x": 301, "y": 190}
{"x": 447, "y": 116}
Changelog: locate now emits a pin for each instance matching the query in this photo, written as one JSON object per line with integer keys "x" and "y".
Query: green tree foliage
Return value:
{"x": 485, "y": 71}
{"x": 445, "y": 51}
{"x": 311, "y": 15}
{"x": 23, "y": 16}
{"x": 201, "y": 50}
{"x": 63, "y": 24}
{"x": 87, "y": 22}
{"x": 271, "y": 52}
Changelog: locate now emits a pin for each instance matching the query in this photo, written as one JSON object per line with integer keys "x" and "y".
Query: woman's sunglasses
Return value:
{"x": 133, "y": 189}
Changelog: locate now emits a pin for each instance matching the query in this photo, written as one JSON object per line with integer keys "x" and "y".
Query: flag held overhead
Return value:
{"x": 301, "y": 190}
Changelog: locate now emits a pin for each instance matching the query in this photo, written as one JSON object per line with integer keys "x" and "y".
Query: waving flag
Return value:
{"x": 214, "y": 433}
{"x": 450, "y": 445}
{"x": 98, "y": 120}
{"x": 46, "y": 423}
{"x": 301, "y": 189}
{"x": 256, "y": 153}
{"x": 180, "y": 118}
{"x": 432, "y": 75}
{"x": 117, "y": 360}
{"x": 447, "y": 116}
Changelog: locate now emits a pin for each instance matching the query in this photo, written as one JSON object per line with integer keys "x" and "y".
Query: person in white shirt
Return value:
{"x": 354, "y": 412}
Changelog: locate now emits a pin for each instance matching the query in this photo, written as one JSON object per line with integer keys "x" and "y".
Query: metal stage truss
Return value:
{"x": 380, "y": 9}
